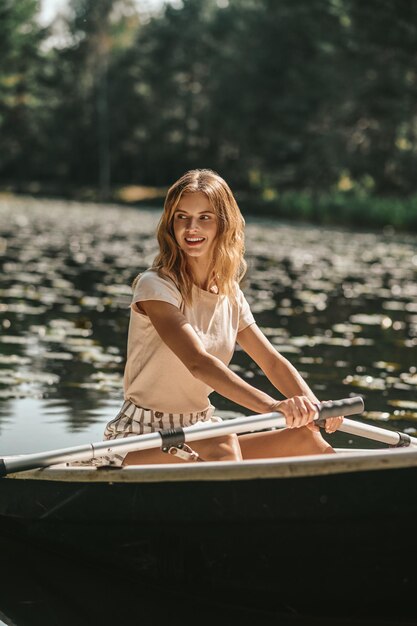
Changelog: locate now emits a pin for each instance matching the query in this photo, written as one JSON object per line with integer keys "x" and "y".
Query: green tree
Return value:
{"x": 249, "y": 89}
{"x": 83, "y": 91}
{"x": 275, "y": 95}
{"x": 382, "y": 141}
{"x": 170, "y": 78}
{"x": 20, "y": 40}
{"x": 280, "y": 85}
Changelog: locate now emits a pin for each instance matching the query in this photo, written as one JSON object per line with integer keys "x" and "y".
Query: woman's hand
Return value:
{"x": 332, "y": 424}
{"x": 298, "y": 411}
{"x": 301, "y": 411}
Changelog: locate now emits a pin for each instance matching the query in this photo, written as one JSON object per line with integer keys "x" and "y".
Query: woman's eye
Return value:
{"x": 180, "y": 216}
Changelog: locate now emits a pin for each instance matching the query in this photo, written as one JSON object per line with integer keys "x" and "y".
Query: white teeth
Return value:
{"x": 194, "y": 238}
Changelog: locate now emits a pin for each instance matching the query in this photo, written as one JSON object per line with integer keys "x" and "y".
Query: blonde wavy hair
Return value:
{"x": 228, "y": 265}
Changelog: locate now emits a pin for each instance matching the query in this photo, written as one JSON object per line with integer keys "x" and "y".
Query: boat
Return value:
{"x": 297, "y": 533}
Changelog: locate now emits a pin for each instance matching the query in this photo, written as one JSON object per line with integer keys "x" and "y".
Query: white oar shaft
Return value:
{"x": 139, "y": 442}
{"x": 382, "y": 435}
{"x": 204, "y": 431}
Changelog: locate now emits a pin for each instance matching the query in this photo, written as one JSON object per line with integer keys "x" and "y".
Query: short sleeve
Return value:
{"x": 150, "y": 286}
{"x": 245, "y": 314}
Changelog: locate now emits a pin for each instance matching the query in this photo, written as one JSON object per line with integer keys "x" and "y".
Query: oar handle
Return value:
{"x": 337, "y": 408}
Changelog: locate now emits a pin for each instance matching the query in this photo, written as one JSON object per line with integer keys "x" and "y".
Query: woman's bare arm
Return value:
{"x": 181, "y": 338}
{"x": 281, "y": 373}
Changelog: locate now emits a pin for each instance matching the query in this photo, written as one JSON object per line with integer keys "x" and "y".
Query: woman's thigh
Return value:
{"x": 280, "y": 443}
{"x": 272, "y": 444}
{"x": 225, "y": 448}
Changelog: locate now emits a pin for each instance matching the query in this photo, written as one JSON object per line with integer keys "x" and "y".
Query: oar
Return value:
{"x": 383, "y": 435}
{"x": 393, "y": 438}
{"x": 167, "y": 438}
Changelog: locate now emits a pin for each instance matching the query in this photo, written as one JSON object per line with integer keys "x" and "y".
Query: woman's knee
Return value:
{"x": 312, "y": 441}
{"x": 225, "y": 448}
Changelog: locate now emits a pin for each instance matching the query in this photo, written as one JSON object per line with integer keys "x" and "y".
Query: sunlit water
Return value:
{"x": 341, "y": 305}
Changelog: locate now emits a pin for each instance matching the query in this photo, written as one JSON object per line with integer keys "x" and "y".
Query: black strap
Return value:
{"x": 404, "y": 442}
{"x": 172, "y": 437}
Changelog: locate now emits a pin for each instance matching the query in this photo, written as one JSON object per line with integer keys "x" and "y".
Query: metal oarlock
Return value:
{"x": 182, "y": 451}
{"x": 173, "y": 442}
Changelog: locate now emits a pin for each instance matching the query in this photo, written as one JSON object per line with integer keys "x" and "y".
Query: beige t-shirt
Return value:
{"x": 155, "y": 378}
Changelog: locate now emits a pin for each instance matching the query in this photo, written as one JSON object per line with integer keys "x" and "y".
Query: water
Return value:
{"x": 341, "y": 305}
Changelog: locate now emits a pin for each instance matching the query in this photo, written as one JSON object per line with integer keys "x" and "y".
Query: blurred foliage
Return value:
{"x": 20, "y": 59}
{"x": 336, "y": 207}
{"x": 306, "y": 104}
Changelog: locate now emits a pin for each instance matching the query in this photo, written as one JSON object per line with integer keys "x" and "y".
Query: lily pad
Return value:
{"x": 365, "y": 382}
{"x": 378, "y": 416}
{"x": 403, "y": 404}
{"x": 14, "y": 359}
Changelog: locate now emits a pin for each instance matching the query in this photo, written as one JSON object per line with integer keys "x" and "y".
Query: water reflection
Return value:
{"x": 342, "y": 306}
{"x": 36, "y": 424}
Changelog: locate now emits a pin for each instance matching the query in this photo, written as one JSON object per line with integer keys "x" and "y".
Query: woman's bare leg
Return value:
{"x": 273, "y": 444}
{"x": 217, "y": 449}
{"x": 280, "y": 443}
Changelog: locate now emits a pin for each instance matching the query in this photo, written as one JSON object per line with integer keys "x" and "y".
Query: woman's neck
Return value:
{"x": 202, "y": 276}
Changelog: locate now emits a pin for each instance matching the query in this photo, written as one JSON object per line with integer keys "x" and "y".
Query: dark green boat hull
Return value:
{"x": 345, "y": 539}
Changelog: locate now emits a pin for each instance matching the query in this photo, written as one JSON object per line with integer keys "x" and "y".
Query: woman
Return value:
{"x": 187, "y": 314}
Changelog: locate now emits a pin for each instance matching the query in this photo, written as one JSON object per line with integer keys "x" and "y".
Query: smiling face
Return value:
{"x": 195, "y": 226}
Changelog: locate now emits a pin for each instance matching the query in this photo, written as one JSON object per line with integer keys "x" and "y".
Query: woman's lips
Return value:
{"x": 193, "y": 241}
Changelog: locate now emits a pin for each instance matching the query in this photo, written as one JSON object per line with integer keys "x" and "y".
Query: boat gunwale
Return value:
{"x": 285, "y": 467}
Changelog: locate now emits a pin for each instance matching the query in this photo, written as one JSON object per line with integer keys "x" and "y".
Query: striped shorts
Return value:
{"x": 135, "y": 420}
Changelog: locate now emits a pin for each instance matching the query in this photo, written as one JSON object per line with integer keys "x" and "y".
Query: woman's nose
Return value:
{"x": 192, "y": 223}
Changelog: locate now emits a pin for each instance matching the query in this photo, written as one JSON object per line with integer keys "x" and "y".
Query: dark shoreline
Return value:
{"x": 332, "y": 208}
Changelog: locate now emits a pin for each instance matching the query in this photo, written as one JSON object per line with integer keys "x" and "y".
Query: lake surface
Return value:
{"x": 341, "y": 305}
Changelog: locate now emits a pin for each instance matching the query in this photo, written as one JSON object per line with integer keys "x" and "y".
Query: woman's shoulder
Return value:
{"x": 153, "y": 283}
{"x": 154, "y": 275}
{"x": 238, "y": 291}
{"x": 245, "y": 314}
{"x": 241, "y": 297}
